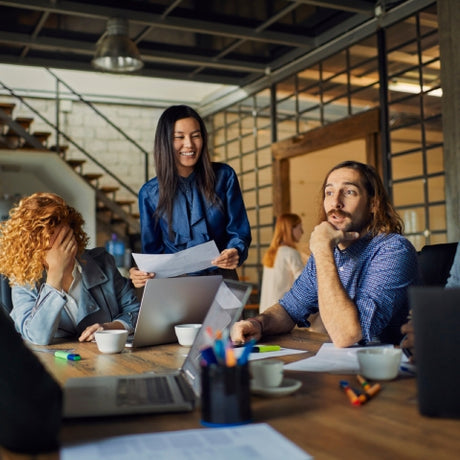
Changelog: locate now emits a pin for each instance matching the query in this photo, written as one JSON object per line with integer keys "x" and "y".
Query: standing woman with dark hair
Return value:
{"x": 282, "y": 261}
{"x": 191, "y": 200}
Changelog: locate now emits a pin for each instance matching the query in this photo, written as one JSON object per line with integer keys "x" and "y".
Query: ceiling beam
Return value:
{"x": 353, "y": 6}
{"x": 83, "y": 48}
{"x": 152, "y": 72}
{"x": 148, "y": 19}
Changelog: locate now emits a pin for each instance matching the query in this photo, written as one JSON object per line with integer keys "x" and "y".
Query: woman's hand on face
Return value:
{"x": 63, "y": 250}
{"x": 228, "y": 259}
{"x": 139, "y": 278}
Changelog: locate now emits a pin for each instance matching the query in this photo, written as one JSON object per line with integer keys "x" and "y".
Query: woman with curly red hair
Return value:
{"x": 59, "y": 288}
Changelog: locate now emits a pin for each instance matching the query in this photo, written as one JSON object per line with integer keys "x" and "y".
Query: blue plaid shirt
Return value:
{"x": 375, "y": 272}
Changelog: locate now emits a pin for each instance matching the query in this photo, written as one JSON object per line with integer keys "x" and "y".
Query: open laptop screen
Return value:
{"x": 226, "y": 308}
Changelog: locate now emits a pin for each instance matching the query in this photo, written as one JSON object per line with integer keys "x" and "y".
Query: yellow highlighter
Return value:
{"x": 265, "y": 348}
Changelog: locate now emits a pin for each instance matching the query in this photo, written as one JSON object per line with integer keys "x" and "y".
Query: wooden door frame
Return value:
{"x": 365, "y": 125}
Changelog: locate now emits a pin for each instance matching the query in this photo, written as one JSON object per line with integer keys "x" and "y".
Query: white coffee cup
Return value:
{"x": 186, "y": 333}
{"x": 379, "y": 363}
{"x": 267, "y": 373}
{"x": 111, "y": 340}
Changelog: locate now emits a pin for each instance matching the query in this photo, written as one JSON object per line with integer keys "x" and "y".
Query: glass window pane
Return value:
{"x": 414, "y": 220}
{"x": 437, "y": 217}
{"x": 434, "y": 160}
{"x": 408, "y": 193}
{"x": 436, "y": 189}
{"x": 438, "y": 238}
{"x": 405, "y": 139}
{"x": 407, "y": 165}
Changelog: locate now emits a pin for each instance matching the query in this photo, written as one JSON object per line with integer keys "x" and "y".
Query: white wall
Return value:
{"x": 26, "y": 172}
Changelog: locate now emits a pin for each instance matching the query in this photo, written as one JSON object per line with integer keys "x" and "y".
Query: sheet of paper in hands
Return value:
{"x": 187, "y": 261}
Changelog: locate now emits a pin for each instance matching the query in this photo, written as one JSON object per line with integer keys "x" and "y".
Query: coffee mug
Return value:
{"x": 267, "y": 373}
{"x": 379, "y": 363}
{"x": 111, "y": 340}
{"x": 186, "y": 333}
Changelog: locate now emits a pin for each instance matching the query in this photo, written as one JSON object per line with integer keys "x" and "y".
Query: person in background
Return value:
{"x": 30, "y": 399}
{"x": 191, "y": 200}
{"x": 59, "y": 288}
{"x": 359, "y": 272}
{"x": 282, "y": 262}
{"x": 454, "y": 275}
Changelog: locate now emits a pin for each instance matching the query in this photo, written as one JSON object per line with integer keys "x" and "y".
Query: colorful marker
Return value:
{"x": 67, "y": 355}
{"x": 265, "y": 348}
{"x": 230, "y": 358}
{"x": 369, "y": 390}
{"x": 373, "y": 390}
{"x": 208, "y": 355}
{"x": 248, "y": 346}
{"x": 350, "y": 393}
{"x": 363, "y": 382}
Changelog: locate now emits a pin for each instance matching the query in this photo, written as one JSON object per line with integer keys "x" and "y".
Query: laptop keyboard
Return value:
{"x": 148, "y": 390}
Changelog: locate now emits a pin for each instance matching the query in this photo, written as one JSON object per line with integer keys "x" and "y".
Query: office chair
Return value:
{"x": 435, "y": 261}
{"x": 5, "y": 295}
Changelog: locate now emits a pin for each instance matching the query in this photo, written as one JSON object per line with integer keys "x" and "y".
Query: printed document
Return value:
{"x": 187, "y": 261}
{"x": 257, "y": 442}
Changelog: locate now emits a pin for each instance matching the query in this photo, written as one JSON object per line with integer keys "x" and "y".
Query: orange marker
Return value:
{"x": 369, "y": 390}
{"x": 350, "y": 393}
{"x": 373, "y": 390}
{"x": 363, "y": 382}
{"x": 230, "y": 359}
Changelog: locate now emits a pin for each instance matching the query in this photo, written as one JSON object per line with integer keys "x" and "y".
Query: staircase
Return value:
{"x": 113, "y": 214}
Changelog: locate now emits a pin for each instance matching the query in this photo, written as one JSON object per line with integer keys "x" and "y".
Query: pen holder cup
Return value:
{"x": 225, "y": 395}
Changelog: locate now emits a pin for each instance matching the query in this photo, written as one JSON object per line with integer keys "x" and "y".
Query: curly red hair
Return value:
{"x": 25, "y": 236}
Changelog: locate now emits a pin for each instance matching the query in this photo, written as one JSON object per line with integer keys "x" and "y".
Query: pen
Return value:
{"x": 208, "y": 355}
{"x": 219, "y": 348}
{"x": 66, "y": 355}
{"x": 265, "y": 348}
{"x": 230, "y": 359}
{"x": 248, "y": 346}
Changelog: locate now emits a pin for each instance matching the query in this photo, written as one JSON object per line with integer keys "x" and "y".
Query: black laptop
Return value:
{"x": 436, "y": 317}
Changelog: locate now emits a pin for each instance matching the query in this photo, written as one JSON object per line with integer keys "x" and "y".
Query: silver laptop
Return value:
{"x": 149, "y": 393}
{"x": 170, "y": 301}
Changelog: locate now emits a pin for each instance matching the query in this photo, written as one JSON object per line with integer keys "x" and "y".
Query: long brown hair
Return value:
{"x": 25, "y": 236}
{"x": 282, "y": 235}
{"x": 384, "y": 218}
{"x": 165, "y": 165}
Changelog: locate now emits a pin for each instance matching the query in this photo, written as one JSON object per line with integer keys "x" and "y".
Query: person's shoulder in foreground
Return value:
{"x": 30, "y": 399}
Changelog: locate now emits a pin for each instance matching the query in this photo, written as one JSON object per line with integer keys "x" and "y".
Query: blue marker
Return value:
{"x": 243, "y": 359}
{"x": 208, "y": 355}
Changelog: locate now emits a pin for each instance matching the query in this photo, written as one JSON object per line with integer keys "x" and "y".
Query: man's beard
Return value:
{"x": 350, "y": 226}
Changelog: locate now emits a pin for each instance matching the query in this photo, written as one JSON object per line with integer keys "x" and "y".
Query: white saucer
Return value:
{"x": 287, "y": 387}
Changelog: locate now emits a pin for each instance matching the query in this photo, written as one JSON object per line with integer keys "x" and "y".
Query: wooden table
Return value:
{"x": 318, "y": 418}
